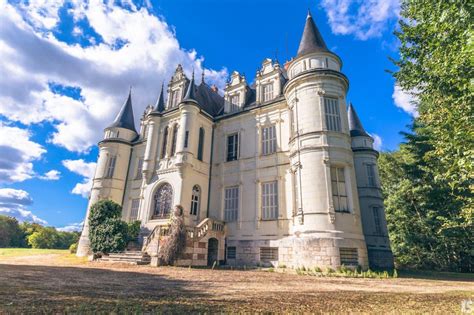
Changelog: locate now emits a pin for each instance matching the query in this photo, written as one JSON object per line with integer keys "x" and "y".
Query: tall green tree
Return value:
{"x": 11, "y": 235}
{"x": 429, "y": 182}
{"x": 107, "y": 232}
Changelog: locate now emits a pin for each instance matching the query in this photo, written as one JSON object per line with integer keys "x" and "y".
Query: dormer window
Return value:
{"x": 267, "y": 92}
{"x": 234, "y": 103}
{"x": 174, "y": 98}
{"x": 235, "y": 100}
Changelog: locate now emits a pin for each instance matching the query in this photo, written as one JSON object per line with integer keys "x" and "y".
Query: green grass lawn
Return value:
{"x": 18, "y": 252}
{"x": 61, "y": 256}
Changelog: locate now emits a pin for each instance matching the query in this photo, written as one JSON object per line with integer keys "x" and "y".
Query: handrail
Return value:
{"x": 150, "y": 237}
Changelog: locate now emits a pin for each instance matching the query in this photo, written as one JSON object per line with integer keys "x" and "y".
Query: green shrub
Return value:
{"x": 317, "y": 269}
{"x": 73, "y": 248}
{"x": 133, "y": 230}
{"x": 107, "y": 232}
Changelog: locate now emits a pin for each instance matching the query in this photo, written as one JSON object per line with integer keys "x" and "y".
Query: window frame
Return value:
{"x": 376, "y": 213}
{"x": 332, "y": 114}
{"x": 138, "y": 173}
{"x": 337, "y": 183}
{"x": 112, "y": 161}
{"x": 231, "y": 203}
{"x": 268, "y": 92}
{"x": 200, "y": 152}
{"x": 371, "y": 178}
{"x": 235, "y": 147}
{"x": 134, "y": 216}
{"x": 269, "y": 200}
{"x": 164, "y": 143}
{"x": 269, "y": 145}
{"x": 174, "y": 140}
{"x": 195, "y": 200}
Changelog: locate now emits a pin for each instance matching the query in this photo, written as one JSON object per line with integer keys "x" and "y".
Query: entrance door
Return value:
{"x": 212, "y": 249}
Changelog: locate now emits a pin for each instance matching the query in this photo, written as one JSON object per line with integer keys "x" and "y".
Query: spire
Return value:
{"x": 190, "y": 93}
{"x": 125, "y": 118}
{"x": 311, "y": 41}
{"x": 160, "y": 103}
{"x": 355, "y": 126}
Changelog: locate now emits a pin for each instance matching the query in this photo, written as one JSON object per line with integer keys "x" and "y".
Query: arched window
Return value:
{"x": 165, "y": 143}
{"x": 201, "y": 143}
{"x": 163, "y": 201}
{"x": 195, "y": 200}
{"x": 174, "y": 140}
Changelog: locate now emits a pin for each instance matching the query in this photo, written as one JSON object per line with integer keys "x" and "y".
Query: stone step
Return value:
{"x": 132, "y": 257}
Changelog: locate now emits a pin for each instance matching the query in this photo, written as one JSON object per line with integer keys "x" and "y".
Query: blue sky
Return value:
{"x": 66, "y": 68}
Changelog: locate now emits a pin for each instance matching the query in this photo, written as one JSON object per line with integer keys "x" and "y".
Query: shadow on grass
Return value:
{"x": 49, "y": 289}
{"x": 436, "y": 275}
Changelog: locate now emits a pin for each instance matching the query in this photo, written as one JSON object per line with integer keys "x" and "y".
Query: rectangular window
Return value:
{"x": 231, "y": 252}
{"x": 232, "y": 147}
{"x": 235, "y": 100}
{"x": 268, "y": 254}
{"x": 231, "y": 204}
{"x": 371, "y": 175}
{"x": 134, "y": 209}
{"x": 138, "y": 175}
{"x": 174, "y": 98}
{"x": 333, "y": 118}
{"x": 200, "y": 144}
{"x": 174, "y": 140}
{"x": 349, "y": 256}
{"x": 186, "y": 137}
{"x": 377, "y": 222}
{"x": 269, "y": 140}
{"x": 111, "y": 167}
{"x": 270, "y": 200}
{"x": 268, "y": 92}
{"x": 339, "y": 191}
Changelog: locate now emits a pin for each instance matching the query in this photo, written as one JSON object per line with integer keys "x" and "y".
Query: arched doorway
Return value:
{"x": 212, "y": 250}
{"x": 162, "y": 201}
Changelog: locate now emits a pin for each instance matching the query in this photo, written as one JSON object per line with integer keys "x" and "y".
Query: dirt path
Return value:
{"x": 49, "y": 282}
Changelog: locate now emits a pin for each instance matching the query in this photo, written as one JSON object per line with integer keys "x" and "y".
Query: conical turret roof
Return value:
{"x": 160, "y": 103}
{"x": 355, "y": 126}
{"x": 311, "y": 41}
{"x": 190, "y": 95}
{"x": 125, "y": 118}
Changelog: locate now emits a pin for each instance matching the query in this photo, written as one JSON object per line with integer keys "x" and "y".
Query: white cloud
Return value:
{"x": 33, "y": 59}
{"x": 405, "y": 100}
{"x": 13, "y": 203}
{"x": 362, "y": 18}
{"x": 17, "y": 152}
{"x": 51, "y": 175}
{"x": 84, "y": 169}
{"x": 377, "y": 141}
{"x": 73, "y": 227}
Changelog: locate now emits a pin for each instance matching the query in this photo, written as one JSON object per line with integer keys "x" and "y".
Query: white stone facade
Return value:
{"x": 274, "y": 160}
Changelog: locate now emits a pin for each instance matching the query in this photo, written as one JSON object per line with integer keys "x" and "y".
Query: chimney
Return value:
{"x": 214, "y": 88}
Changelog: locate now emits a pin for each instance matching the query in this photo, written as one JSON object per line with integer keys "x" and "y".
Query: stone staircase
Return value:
{"x": 134, "y": 257}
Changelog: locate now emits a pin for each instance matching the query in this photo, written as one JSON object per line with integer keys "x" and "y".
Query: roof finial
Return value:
{"x": 309, "y": 13}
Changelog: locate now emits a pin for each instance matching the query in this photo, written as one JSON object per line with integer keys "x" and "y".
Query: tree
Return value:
{"x": 427, "y": 182}
{"x": 107, "y": 232}
{"x": 11, "y": 234}
{"x": 46, "y": 237}
{"x": 174, "y": 243}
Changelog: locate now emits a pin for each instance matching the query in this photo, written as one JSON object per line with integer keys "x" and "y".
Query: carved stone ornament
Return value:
{"x": 332, "y": 217}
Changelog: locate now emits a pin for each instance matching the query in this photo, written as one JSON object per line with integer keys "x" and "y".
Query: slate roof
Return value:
{"x": 125, "y": 118}
{"x": 160, "y": 103}
{"x": 208, "y": 100}
{"x": 311, "y": 41}
{"x": 355, "y": 126}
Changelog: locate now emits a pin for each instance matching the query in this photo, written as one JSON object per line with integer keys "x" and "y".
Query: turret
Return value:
{"x": 370, "y": 195}
{"x": 112, "y": 166}
{"x": 326, "y": 210}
